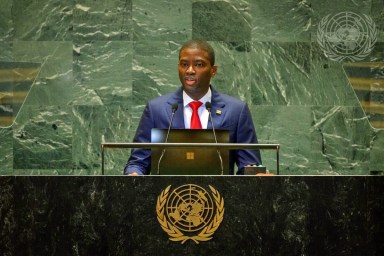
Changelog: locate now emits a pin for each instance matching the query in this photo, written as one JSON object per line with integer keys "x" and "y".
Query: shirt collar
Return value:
{"x": 204, "y": 99}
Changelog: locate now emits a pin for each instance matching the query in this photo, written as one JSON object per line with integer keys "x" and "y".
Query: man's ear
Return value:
{"x": 214, "y": 70}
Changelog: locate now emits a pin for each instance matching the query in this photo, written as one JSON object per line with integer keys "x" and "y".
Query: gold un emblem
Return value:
{"x": 190, "y": 212}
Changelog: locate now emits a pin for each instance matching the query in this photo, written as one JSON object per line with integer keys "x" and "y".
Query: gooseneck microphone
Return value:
{"x": 208, "y": 106}
{"x": 174, "y": 108}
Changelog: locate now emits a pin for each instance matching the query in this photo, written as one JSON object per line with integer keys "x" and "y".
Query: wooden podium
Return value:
{"x": 139, "y": 215}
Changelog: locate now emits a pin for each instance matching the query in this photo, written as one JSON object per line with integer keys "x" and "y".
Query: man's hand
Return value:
{"x": 133, "y": 174}
{"x": 264, "y": 174}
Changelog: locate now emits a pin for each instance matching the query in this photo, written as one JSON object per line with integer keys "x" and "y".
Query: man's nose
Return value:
{"x": 190, "y": 70}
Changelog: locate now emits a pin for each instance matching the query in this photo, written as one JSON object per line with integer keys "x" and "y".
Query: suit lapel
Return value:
{"x": 178, "y": 120}
{"x": 218, "y": 110}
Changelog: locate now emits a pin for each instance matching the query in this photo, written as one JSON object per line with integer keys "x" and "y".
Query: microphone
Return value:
{"x": 174, "y": 108}
{"x": 208, "y": 106}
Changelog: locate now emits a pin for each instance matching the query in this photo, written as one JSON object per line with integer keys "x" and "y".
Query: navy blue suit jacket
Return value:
{"x": 235, "y": 117}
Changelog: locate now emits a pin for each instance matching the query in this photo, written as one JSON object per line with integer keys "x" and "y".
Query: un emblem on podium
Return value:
{"x": 190, "y": 212}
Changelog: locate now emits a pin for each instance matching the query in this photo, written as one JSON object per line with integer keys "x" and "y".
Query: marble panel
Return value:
{"x": 40, "y": 52}
{"x": 93, "y": 125}
{"x": 42, "y": 20}
{"x": 233, "y": 72}
{"x": 367, "y": 80}
{"x": 319, "y": 140}
{"x": 42, "y": 172}
{"x": 16, "y": 79}
{"x": 102, "y": 20}
{"x": 289, "y": 126}
{"x": 42, "y": 138}
{"x": 6, "y": 25}
{"x": 155, "y": 70}
{"x": 116, "y": 159}
{"x": 377, "y": 14}
{"x": 54, "y": 82}
{"x": 103, "y": 73}
{"x": 280, "y": 74}
{"x": 377, "y": 153}
{"x": 221, "y": 20}
{"x": 283, "y": 21}
{"x": 342, "y": 140}
{"x": 330, "y": 85}
{"x": 377, "y": 54}
{"x": 162, "y": 20}
{"x": 6, "y": 151}
{"x": 6, "y": 51}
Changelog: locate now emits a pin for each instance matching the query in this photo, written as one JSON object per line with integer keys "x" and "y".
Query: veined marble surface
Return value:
{"x": 101, "y": 61}
{"x": 262, "y": 216}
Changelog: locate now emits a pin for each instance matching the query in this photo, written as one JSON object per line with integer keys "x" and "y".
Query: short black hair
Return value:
{"x": 200, "y": 44}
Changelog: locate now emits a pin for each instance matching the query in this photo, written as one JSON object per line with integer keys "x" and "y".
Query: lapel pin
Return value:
{"x": 218, "y": 112}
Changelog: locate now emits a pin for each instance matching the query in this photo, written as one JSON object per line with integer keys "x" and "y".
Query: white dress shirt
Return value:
{"x": 203, "y": 112}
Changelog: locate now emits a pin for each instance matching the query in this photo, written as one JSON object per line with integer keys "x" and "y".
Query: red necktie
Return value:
{"x": 195, "y": 120}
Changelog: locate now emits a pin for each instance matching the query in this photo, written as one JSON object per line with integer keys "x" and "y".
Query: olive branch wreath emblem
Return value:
{"x": 323, "y": 42}
{"x": 175, "y": 234}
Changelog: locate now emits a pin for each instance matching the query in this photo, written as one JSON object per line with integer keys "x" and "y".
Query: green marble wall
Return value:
{"x": 100, "y": 61}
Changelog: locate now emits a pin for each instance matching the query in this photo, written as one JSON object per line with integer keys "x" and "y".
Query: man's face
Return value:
{"x": 195, "y": 72}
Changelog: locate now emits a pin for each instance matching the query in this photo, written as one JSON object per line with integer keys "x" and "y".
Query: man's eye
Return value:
{"x": 184, "y": 65}
{"x": 199, "y": 64}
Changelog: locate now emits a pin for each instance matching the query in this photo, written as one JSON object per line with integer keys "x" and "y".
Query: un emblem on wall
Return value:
{"x": 190, "y": 212}
{"x": 346, "y": 36}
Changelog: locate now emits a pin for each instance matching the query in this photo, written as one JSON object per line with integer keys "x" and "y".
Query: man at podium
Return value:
{"x": 189, "y": 106}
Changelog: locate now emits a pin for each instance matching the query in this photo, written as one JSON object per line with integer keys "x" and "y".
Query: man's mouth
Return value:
{"x": 190, "y": 80}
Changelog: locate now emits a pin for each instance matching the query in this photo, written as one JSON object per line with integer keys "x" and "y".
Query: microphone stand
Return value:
{"x": 174, "y": 108}
{"x": 208, "y": 106}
